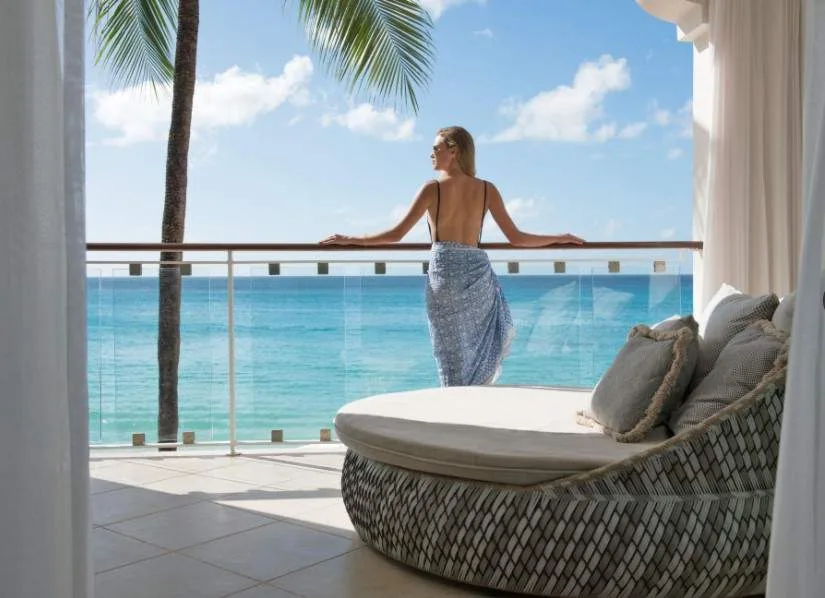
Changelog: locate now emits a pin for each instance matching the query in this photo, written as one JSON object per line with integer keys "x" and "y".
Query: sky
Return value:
{"x": 580, "y": 110}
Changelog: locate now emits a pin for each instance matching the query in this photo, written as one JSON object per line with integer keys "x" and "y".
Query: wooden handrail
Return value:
{"x": 306, "y": 247}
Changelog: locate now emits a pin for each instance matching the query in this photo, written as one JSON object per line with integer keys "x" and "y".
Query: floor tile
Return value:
{"x": 169, "y": 576}
{"x": 305, "y": 480}
{"x": 134, "y": 474}
{"x": 187, "y": 464}
{"x": 113, "y": 550}
{"x": 274, "y": 516}
{"x": 190, "y": 525}
{"x": 99, "y": 464}
{"x": 128, "y": 503}
{"x": 255, "y": 471}
{"x": 97, "y": 486}
{"x": 331, "y": 519}
{"x": 200, "y": 486}
{"x": 271, "y": 551}
{"x": 331, "y": 462}
{"x": 365, "y": 574}
{"x": 275, "y": 502}
{"x": 264, "y": 591}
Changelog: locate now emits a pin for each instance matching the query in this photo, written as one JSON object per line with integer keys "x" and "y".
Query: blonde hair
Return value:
{"x": 460, "y": 139}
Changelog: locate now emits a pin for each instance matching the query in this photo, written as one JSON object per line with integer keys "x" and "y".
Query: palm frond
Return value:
{"x": 384, "y": 46}
{"x": 135, "y": 39}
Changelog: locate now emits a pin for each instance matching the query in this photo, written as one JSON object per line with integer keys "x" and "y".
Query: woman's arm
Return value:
{"x": 417, "y": 209}
{"x": 517, "y": 237}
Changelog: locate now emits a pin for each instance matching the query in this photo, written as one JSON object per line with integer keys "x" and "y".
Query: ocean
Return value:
{"x": 306, "y": 345}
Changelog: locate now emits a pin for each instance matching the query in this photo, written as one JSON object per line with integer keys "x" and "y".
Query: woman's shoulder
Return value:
{"x": 462, "y": 180}
{"x": 429, "y": 186}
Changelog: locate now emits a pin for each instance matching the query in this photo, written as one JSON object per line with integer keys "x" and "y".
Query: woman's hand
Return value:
{"x": 567, "y": 239}
{"x": 340, "y": 240}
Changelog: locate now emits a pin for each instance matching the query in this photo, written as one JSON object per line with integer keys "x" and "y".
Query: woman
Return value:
{"x": 469, "y": 319}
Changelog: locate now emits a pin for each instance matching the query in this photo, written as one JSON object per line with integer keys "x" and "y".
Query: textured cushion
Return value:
{"x": 749, "y": 357}
{"x": 731, "y": 316}
{"x": 674, "y": 323}
{"x": 646, "y": 381}
{"x": 501, "y": 434}
{"x": 783, "y": 316}
{"x": 722, "y": 293}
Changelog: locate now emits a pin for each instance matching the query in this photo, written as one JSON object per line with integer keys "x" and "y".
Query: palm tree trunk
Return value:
{"x": 174, "y": 215}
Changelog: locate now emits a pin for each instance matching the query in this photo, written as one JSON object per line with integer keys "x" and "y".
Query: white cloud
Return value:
{"x": 681, "y": 119}
{"x": 519, "y": 206}
{"x": 569, "y": 112}
{"x": 366, "y": 120}
{"x": 484, "y": 32}
{"x": 294, "y": 120}
{"x": 633, "y": 130}
{"x": 660, "y": 116}
{"x": 605, "y": 132}
{"x": 232, "y": 98}
{"x": 667, "y": 233}
{"x": 675, "y": 153}
{"x": 437, "y": 7}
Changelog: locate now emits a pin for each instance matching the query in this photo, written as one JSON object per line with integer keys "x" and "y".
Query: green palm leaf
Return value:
{"x": 383, "y": 46}
{"x": 135, "y": 39}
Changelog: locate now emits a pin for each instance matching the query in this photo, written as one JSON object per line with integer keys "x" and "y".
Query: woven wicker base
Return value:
{"x": 688, "y": 518}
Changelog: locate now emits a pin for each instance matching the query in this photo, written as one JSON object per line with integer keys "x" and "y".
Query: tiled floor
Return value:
{"x": 262, "y": 525}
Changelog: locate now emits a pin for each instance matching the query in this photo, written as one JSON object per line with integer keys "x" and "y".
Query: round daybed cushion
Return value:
{"x": 501, "y": 434}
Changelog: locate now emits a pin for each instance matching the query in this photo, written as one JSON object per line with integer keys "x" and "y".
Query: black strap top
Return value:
{"x": 438, "y": 206}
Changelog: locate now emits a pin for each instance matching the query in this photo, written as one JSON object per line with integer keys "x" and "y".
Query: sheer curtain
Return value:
{"x": 797, "y": 552}
{"x": 44, "y": 469}
{"x": 753, "y": 231}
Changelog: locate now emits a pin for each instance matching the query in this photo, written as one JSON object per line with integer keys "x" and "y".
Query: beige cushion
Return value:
{"x": 503, "y": 434}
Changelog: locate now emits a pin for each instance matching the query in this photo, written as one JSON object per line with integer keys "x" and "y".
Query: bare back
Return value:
{"x": 457, "y": 214}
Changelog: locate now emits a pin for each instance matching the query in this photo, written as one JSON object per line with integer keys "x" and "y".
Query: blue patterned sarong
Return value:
{"x": 469, "y": 319}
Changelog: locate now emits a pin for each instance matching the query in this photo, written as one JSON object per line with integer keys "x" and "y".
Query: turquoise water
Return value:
{"x": 307, "y": 345}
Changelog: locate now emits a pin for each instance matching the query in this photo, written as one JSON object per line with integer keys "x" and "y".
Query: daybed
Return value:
{"x": 506, "y": 488}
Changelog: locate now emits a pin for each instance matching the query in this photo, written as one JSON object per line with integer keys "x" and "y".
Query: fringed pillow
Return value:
{"x": 646, "y": 381}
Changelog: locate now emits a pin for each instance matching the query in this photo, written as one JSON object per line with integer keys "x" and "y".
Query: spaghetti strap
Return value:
{"x": 483, "y": 212}
{"x": 434, "y": 238}
{"x": 437, "y": 208}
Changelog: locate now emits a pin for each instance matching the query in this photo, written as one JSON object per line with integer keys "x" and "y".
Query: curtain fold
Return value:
{"x": 753, "y": 219}
{"x": 44, "y": 494}
{"x": 74, "y": 93}
{"x": 797, "y": 550}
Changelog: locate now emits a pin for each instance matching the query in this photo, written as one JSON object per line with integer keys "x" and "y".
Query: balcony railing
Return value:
{"x": 276, "y": 337}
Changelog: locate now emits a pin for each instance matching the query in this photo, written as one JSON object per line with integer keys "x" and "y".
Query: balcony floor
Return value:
{"x": 262, "y": 525}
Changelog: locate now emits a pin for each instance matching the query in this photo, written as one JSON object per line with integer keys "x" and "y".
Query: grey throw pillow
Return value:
{"x": 743, "y": 363}
{"x": 674, "y": 323}
{"x": 730, "y": 317}
{"x": 783, "y": 316}
{"x": 646, "y": 381}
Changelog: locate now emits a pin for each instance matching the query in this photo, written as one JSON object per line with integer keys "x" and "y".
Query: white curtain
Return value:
{"x": 44, "y": 470}
{"x": 753, "y": 231}
{"x": 797, "y": 552}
